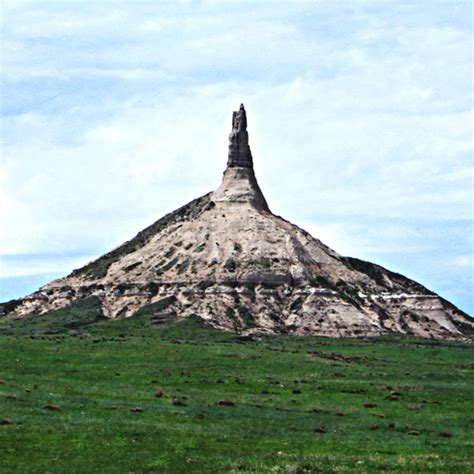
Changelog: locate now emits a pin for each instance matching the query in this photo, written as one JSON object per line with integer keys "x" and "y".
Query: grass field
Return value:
{"x": 80, "y": 394}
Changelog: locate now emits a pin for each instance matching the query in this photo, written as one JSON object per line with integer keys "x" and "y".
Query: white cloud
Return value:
{"x": 464, "y": 261}
{"x": 358, "y": 113}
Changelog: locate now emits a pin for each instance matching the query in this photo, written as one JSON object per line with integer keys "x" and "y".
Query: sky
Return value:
{"x": 360, "y": 123}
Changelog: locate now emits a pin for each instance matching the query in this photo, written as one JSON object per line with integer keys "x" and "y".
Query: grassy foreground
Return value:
{"x": 79, "y": 394}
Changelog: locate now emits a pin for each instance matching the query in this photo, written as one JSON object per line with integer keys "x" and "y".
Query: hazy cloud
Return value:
{"x": 359, "y": 114}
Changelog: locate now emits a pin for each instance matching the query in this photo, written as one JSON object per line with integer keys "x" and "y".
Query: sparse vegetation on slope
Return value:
{"x": 98, "y": 268}
{"x": 380, "y": 274}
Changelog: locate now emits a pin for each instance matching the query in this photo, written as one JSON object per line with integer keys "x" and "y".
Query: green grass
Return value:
{"x": 97, "y": 372}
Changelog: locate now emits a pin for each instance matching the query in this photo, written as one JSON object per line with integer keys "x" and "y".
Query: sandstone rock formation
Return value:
{"x": 227, "y": 259}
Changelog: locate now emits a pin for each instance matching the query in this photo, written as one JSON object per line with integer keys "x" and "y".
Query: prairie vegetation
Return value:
{"x": 82, "y": 394}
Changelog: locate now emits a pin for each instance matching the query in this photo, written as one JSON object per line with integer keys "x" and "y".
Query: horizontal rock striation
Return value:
{"x": 227, "y": 259}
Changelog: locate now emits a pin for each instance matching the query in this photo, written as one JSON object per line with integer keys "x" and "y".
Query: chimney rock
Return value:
{"x": 239, "y": 150}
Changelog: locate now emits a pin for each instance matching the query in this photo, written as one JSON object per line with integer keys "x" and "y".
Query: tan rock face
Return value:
{"x": 226, "y": 258}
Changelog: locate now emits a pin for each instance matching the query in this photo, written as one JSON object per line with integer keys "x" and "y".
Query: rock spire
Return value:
{"x": 239, "y": 150}
{"x": 239, "y": 184}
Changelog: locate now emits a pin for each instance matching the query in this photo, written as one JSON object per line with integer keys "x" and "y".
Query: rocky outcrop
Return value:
{"x": 239, "y": 184}
{"x": 239, "y": 150}
{"x": 227, "y": 259}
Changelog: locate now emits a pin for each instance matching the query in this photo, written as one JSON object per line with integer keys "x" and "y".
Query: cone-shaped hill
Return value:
{"x": 227, "y": 259}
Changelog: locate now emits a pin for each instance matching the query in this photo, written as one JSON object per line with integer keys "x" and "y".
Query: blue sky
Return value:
{"x": 360, "y": 120}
